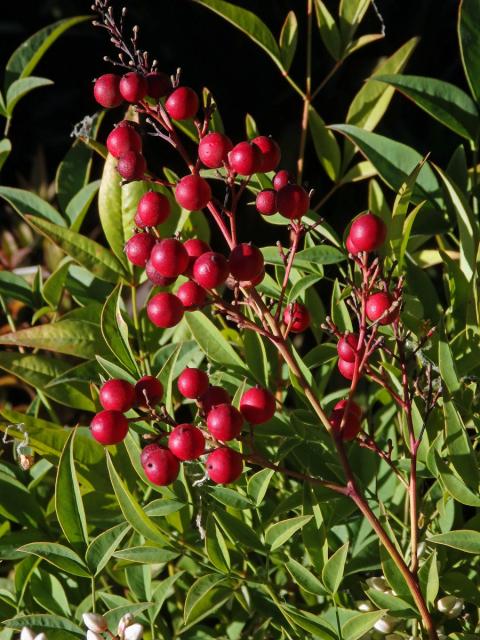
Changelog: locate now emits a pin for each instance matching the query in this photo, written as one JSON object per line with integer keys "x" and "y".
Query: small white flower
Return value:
{"x": 134, "y": 632}
{"x": 386, "y": 624}
{"x": 450, "y": 606}
{"x": 95, "y": 622}
{"x": 27, "y": 634}
{"x": 125, "y": 621}
{"x": 92, "y": 635}
{"x": 364, "y": 605}
{"x": 378, "y": 583}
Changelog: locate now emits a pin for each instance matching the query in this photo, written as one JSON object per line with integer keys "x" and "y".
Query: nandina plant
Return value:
{"x": 243, "y": 463}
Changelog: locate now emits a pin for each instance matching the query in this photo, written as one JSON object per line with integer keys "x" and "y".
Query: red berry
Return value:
{"x": 117, "y": 395}
{"x": 192, "y": 383}
{"x": 158, "y": 84}
{"x": 257, "y": 405}
{"x": 131, "y": 166}
{"x": 213, "y": 397}
{"x": 150, "y": 387}
{"x": 351, "y": 246}
{"x": 169, "y": 257}
{"x": 346, "y": 368}
{"x": 368, "y": 232}
{"x": 182, "y": 104}
{"x": 266, "y": 202}
{"x": 210, "y": 270}
{"x": 123, "y": 139}
{"x": 139, "y": 222}
{"x": 297, "y": 316}
{"x": 153, "y": 208}
{"x": 165, "y": 310}
{"x": 281, "y": 179}
{"x": 146, "y": 451}
{"x": 292, "y": 201}
{"x": 347, "y": 347}
{"x": 186, "y": 442}
{"x": 352, "y": 421}
{"x": 139, "y": 247}
{"x": 157, "y": 278}
{"x": 245, "y": 158}
{"x": 193, "y": 192}
{"x": 377, "y": 305}
{"x": 214, "y": 149}
{"x": 109, "y": 427}
{"x": 254, "y": 281}
{"x": 245, "y": 262}
{"x": 133, "y": 87}
{"x": 224, "y": 422}
{"x": 107, "y": 90}
{"x": 161, "y": 467}
{"x": 270, "y": 153}
{"x": 192, "y": 295}
{"x": 195, "y": 248}
{"x": 224, "y": 465}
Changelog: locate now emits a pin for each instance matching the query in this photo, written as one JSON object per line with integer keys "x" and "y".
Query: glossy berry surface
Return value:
{"x": 351, "y": 246}
{"x": 195, "y": 248}
{"x": 213, "y": 149}
{"x": 296, "y": 316}
{"x": 257, "y": 405}
{"x": 352, "y": 421}
{"x": 169, "y": 257}
{"x": 133, "y": 87}
{"x": 245, "y": 262}
{"x": 245, "y": 158}
{"x": 266, "y": 202}
{"x": 186, "y": 442}
{"x": 347, "y": 346}
{"x": 192, "y": 295}
{"x": 158, "y": 84}
{"x": 368, "y": 232}
{"x": 131, "y": 165}
{"x": 123, "y": 139}
{"x": 107, "y": 91}
{"x": 165, "y": 310}
{"x": 117, "y": 395}
{"x": 292, "y": 201}
{"x": 153, "y": 208}
{"x": 377, "y": 305}
{"x": 224, "y": 465}
{"x": 192, "y": 383}
{"x": 161, "y": 467}
{"x": 270, "y": 153}
{"x": 346, "y": 368}
{"x": 210, "y": 270}
{"x": 139, "y": 222}
{"x": 224, "y": 422}
{"x": 155, "y": 277}
{"x": 193, "y": 192}
{"x": 138, "y": 248}
{"x": 214, "y": 396}
{"x": 150, "y": 389}
{"x": 281, "y": 179}
{"x": 109, "y": 427}
{"x": 146, "y": 451}
{"x": 182, "y": 104}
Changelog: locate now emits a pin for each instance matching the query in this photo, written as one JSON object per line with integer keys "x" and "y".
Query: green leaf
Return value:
{"x": 444, "y": 101}
{"x": 326, "y": 146}
{"x": 115, "y": 331}
{"x": 257, "y": 485}
{"x": 14, "y": 287}
{"x": 166, "y": 376}
{"x": 27, "y": 202}
{"x": 44, "y": 623}
{"x": 393, "y": 575}
{"x": 230, "y": 498}
{"x": 463, "y": 540}
{"x": 391, "y": 603}
{"x": 5, "y": 149}
{"x": 407, "y": 230}
{"x": 351, "y": 13}
{"x": 278, "y": 533}
{"x": 356, "y": 627}
{"x": 308, "y": 259}
{"x": 54, "y": 286}
{"x": 238, "y": 531}
{"x": 211, "y": 341}
{"x": 201, "y": 596}
{"x": 334, "y": 568}
{"x": 305, "y": 578}
{"x": 18, "y": 89}
{"x": 288, "y": 40}
{"x": 101, "y": 548}
{"x": 454, "y": 485}
{"x": 78, "y": 206}
{"x": 469, "y": 40}
{"x": 461, "y": 454}
{"x": 146, "y": 554}
{"x": 216, "y": 547}
{"x": 83, "y": 250}
{"x": 18, "y": 504}
{"x": 302, "y": 285}
{"x": 68, "y": 499}
{"x": 58, "y": 555}
{"x": 428, "y": 578}
{"x": 400, "y": 208}
{"x": 329, "y": 32}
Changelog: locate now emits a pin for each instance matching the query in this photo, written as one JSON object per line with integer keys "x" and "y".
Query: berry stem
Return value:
{"x": 307, "y": 97}
{"x": 295, "y": 239}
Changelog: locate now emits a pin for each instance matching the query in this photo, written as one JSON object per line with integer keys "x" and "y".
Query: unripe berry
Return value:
{"x": 213, "y": 149}
{"x": 146, "y": 451}
{"x": 257, "y": 405}
{"x": 107, "y": 90}
{"x": 292, "y": 201}
{"x": 169, "y": 257}
{"x": 153, "y": 208}
{"x": 210, "y": 270}
{"x": 192, "y": 295}
{"x": 123, "y": 139}
{"x": 346, "y": 368}
{"x": 182, "y": 104}
{"x": 192, "y": 383}
{"x": 351, "y": 246}
{"x": 270, "y": 153}
{"x": 133, "y": 87}
{"x": 139, "y": 247}
{"x": 158, "y": 84}
{"x": 131, "y": 166}
{"x": 245, "y": 262}
{"x": 245, "y": 158}
{"x": 117, "y": 395}
{"x": 224, "y": 465}
{"x": 377, "y": 305}
{"x": 281, "y": 179}
{"x": 161, "y": 467}
{"x": 296, "y": 316}
{"x": 213, "y": 397}
{"x": 195, "y": 248}
{"x": 186, "y": 442}
{"x": 347, "y": 347}
{"x": 352, "y": 421}
{"x": 165, "y": 310}
{"x": 368, "y": 232}
{"x": 266, "y": 202}
{"x": 193, "y": 192}
{"x": 109, "y": 427}
{"x": 224, "y": 422}
{"x": 157, "y": 278}
{"x": 150, "y": 387}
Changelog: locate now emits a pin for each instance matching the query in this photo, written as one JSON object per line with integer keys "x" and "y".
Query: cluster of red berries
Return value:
{"x": 351, "y": 422}
{"x": 287, "y": 198}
